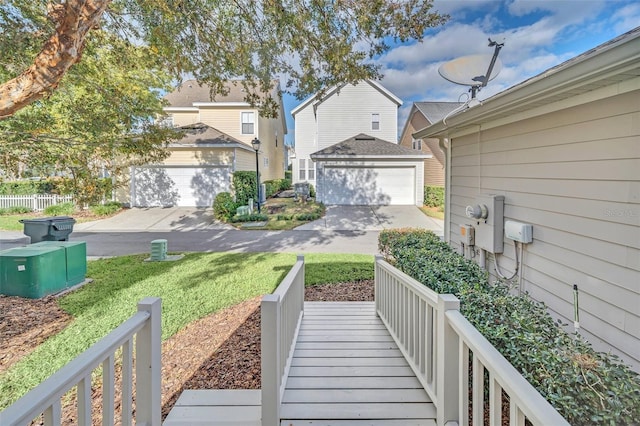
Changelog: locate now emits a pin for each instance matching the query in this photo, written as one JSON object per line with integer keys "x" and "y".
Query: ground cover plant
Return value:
{"x": 192, "y": 288}
{"x": 585, "y": 386}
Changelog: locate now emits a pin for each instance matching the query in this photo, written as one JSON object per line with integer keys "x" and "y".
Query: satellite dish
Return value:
{"x": 474, "y": 70}
{"x": 469, "y": 70}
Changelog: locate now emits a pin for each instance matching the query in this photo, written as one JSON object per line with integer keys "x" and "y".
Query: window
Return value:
{"x": 302, "y": 175}
{"x": 311, "y": 170}
{"x": 265, "y": 161}
{"x": 375, "y": 121}
{"x": 308, "y": 172}
{"x": 248, "y": 121}
{"x": 417, "y": 144}
{"x": 166, "y": 121}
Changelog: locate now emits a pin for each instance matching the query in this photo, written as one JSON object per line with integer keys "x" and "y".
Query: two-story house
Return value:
{"x": 217, "y": 142}
{"x": 422, "y": 115}
{"x": 346, "y": 146}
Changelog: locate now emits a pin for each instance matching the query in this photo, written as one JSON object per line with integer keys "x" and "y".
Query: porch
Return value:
{"x": 403, "y": 359}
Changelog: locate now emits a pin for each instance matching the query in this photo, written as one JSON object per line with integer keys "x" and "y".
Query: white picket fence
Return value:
{"x": 36, "y": 202}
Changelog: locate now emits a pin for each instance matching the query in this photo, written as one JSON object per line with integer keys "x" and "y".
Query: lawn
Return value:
{"x": 11, "y": 222}
{"x": 433, "y": 212}
{"x": 192, "y": 288}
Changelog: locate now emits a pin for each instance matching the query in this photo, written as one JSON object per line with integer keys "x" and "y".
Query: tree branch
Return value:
{"x": 74, "y": 19}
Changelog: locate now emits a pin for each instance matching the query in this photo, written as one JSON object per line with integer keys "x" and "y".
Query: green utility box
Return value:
{"x": 32, "y": 272}
{"x": 56, "y": 228}
{"x": 75, "y": 259}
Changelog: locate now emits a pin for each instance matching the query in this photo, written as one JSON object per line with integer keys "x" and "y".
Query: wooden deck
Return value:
{"x": 346, "y": 371}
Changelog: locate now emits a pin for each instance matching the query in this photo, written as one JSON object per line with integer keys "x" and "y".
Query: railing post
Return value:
{"x": 149, "y": 365}
{"x": 300, "y": 258}
{"x": 270, "y": 359}
{"x": 447, "y": 363}
{"x": 376, "y": 282}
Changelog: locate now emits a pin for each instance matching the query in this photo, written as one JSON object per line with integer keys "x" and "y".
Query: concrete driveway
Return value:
{"x": 155, "y": 219}
{"x": 373, "y": 218}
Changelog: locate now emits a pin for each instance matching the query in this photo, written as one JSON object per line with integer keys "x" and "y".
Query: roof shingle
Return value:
{"x": 363, "y": 145}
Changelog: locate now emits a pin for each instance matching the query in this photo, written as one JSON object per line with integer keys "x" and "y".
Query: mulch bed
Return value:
{"x": 220, "y": 351}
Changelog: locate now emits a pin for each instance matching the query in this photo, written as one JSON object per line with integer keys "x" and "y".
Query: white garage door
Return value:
{"x": 369, "y": 185}
{"x": 178, "y": 186}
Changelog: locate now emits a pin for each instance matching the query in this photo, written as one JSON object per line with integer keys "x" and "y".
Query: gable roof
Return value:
{"x": 436, "y": 111}
{"x": 315, "y": 100}
{"x": 202, "y": 135}
{"x": 365, "y": 146}
{"x": 615, "y": 63}
{"x": 190, "y": 91}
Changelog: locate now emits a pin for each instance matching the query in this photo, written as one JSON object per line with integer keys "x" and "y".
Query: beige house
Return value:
{"x": 563, "y": 149}
{"x": 217, "y": 142}
{"x": 424, "y": 114}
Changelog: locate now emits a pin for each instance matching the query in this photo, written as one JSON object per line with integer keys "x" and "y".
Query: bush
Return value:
{"x": 312, "y": 191}
{"x": 224, "y": 207}
{"x": 15, "y": 210}
{"x": 28, "y": 187}
{"x": 434, "y": 196}
{"x": 244, "y": 185}
{"x": 276, "y": 185}
{"x": 105, "y": 209}
{"x": 255, "y": 217}
{"x": 62, "y": 209}
{"x": 287, "y": 175}
{"x": 585, "y": 386}
{"x": 307, "y": 216}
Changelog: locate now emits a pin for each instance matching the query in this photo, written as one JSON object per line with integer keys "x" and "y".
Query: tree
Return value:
{"x": 313, "y": 43}
{"x": 98, "y": 122}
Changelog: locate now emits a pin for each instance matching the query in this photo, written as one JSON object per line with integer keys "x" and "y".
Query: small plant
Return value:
{"x": 434, "y": 196}
{"x": 105, "y": 209}
{"x": 285, "y": 217}
{"x": 307, "y": 216}
{"x": 15, "y": 210}
{"x": 224, "y": 207}
{"x": 255, "y": 217}
{"x": 62, "y": 209}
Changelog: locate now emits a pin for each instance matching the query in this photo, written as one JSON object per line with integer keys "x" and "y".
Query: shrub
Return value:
{"x": 244, "y": 185}
{"x": 105, "y": 209}
{"x": 307, "y": 216}
{"x": 287, "y": 175}
{"x": 285, "y": 217}
{"x": 224, "y": 207}
{"x": 255, "y": 217}
{"x": 585, "y": 386}
{"x": 276, "y": 185}
{"x": 15, "y": 210}
{"x": 28, "y": 187}
{"x": 312, "y": 191}
{"x": 434, "y": 196}
{"x": 62, "y": 209}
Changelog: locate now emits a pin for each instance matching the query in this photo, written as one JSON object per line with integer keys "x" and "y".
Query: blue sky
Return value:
{"x": 537, "y": 35}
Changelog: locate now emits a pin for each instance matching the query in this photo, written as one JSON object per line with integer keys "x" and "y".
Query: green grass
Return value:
{"x": 275, "y": 207}
{"x": 336, "y": 268}
{"x": 432, "y": 212}
{"x": 199, "y": 284}
{"x": 10, "y": 222}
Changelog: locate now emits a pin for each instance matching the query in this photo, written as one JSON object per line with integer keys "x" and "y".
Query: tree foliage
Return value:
{"x": 312, "y": 43}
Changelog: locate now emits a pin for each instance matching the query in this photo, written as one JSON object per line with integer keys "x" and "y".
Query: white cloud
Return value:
{"x": 627, "y": 18}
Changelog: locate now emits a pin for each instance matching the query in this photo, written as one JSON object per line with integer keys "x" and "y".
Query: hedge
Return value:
{"x": 224, "y": 207}
{"x": 434, "y": 196}
{"x": 244, "y": 186}
{"x": 585, "y": 386}
{"x": 276, "y": 185}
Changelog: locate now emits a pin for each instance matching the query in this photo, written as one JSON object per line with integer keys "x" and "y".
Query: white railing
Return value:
{"x": 36, "y": 202}
{"x": 46, "y": 398}
{"x": 281, "y": 315}
{"x": 438, "y": 343}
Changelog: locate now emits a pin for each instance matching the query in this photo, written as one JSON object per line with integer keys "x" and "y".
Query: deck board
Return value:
{"x": 347, "y": 371}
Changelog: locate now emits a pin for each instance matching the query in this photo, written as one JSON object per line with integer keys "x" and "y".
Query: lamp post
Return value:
{"x": 255, "y": 143}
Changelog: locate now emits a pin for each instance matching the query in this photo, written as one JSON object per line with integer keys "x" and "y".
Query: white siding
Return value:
{"x": 341, "y": 116}
{"x": 575, "y": 176}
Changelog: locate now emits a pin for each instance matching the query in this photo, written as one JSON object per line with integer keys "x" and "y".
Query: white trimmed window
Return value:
{"x": 265, "y": 161}
{"x": 417, "y": 144}
{"x": 311, "y": 170}
{"x": 248, "y": 122}
{"x": 375, "y": 121}
{"x": 302, "y": 172}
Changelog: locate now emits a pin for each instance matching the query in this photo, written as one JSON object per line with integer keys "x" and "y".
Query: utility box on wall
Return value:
{"x": 488, "y": 214}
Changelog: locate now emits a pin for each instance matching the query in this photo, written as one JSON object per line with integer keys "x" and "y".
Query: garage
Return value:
{"x": 364, "y": 170}
{"x": 369, "y": 185}
{"x": 185, "y": 186}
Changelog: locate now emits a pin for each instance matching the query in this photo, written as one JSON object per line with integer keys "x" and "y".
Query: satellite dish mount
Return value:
{"x": 468, "y": 69}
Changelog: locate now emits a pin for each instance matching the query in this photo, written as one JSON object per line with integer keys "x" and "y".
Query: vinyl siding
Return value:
{"x": 195, "y": 156}
{"x": 245, "y": 160}
{"x": 229, "y": 120}
{"x": 575, "y": 176}
{"x": 185, "y": 118}
{"x": 341, "y": 116}
{"x": 433, "y": 169}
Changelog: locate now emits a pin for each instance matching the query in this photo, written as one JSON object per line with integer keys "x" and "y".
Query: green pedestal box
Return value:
{"x": 32, "y": 272}
{"x": 75, "y": 258}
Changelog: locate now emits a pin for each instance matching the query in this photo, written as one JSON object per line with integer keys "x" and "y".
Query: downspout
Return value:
{"x": 445, "y": 146}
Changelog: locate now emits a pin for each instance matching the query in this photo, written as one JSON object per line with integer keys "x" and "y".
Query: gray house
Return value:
{"x": 563, "y": 150}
